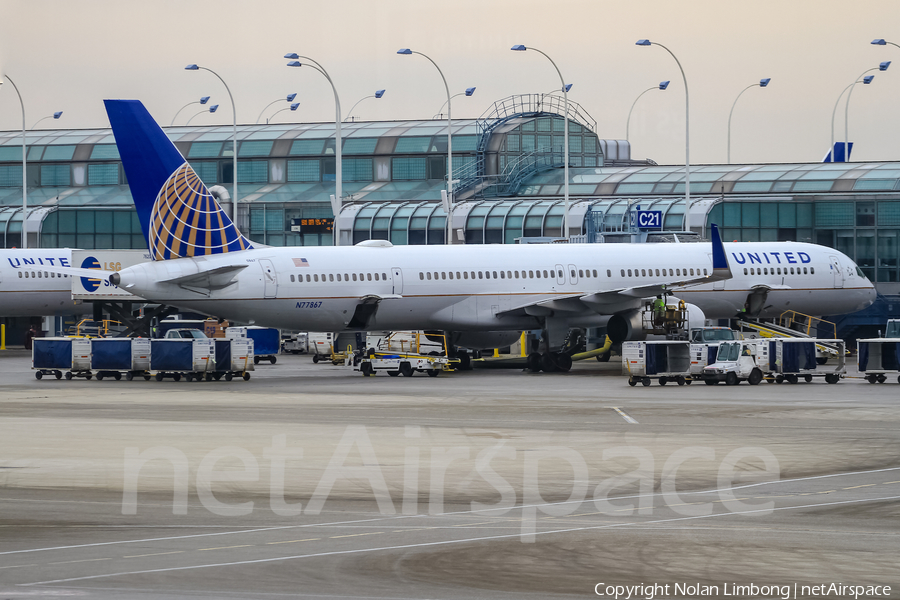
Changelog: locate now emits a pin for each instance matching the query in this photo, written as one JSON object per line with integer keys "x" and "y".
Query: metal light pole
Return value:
{"x": 24, "y": 170}
{"x": 202, "y": 100}
{"x": 881, "y": 67}
{"x": 662, "y": 86}
{"x": 449, "y": 207}
{"x": 293, "y": 107}
{"x": 55, "y": 115}
{"x": 467, "y": 93}
{"x": 762, "y": 83}
{"x": 288, "y": 98}
{"x": 338, "y": 173}
{"x": 212, "y": 109}
{"x": 565, "y": 91}
{"x": 234, "y": 194}
{"x": 687, "y": 134}
{"x": 865, "y": 80}
{"x": 377, "y": 94}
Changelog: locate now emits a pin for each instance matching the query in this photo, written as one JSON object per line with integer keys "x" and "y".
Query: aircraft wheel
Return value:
{"x": 645, "y": 381}
{"x": 663, "y": 380}
{"x": 405, "y": 369}
{"x": 755, "y": 377}
{"x": 433, "y": 372}
{"x": 69, "y": 375}
{"x": 534, "y": 362}
{"x": 38, "y": 375}
{"x": 731, "y": 378}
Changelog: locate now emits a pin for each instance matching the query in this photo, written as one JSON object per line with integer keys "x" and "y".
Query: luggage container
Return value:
{"x": 176, "y": 357}
{"x": 793, "y": 358}
{"x": 54, "y": 356}
{"x": 668, "y": 360}
{"x": 266, "y": 341}
{"x": 233, "y": 358}
{"x": 111, "y": 357}
{"x": 878, "y": 358}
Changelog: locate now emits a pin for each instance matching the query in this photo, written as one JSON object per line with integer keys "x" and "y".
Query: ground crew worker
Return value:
{"x": 659, "y": 310}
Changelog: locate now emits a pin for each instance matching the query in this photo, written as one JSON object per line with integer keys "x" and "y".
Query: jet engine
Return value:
{"x": 630, "y": 325}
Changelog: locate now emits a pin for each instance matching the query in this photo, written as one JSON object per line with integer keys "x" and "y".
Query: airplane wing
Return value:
{"x": 619, "y": 299}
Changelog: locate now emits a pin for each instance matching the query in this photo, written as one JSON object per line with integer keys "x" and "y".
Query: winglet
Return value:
{"x": 721, "y": 269}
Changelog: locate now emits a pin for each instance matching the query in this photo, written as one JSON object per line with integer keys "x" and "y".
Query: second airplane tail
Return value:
{"x": 178, "y": 215}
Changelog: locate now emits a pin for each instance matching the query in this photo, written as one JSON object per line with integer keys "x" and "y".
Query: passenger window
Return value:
{"x": 531, "y": 274}
{"x": 421, "y": 275}
{"x": 346, "y": 277}
{"x": 473, "y": 274}
{"x": 537, "y": 274}
{"x": 429, "y": 275}
{"x": 376, "y": 276}
{"x": 643, "y": 273}
{"x": 443, "y": 275}
{"x": 316, "y": 277}
{"x": 704, "y": 271}
{"x": 20, "y": 274}
{"x": 745, "y": 270}
{"x": 465, "y": 274}
{"x": 495, "y": 274}
{"x": 805, "y": 271}
{"x": 517, "y": 274}
{"x": 292, "y": 278}
{"x": 509, "y": 274}
{"x": 546, "y": 275}
{"x": 502, "y": 275}
{"x": 384, "y": 276}
{"x": 369, "y": 276}
{"x": 480, "y": 275}
{"x": 779, "y": 270}
{"x": 692, "y": 272}
{"x": 812, "y": 271}
{"x": 331, "y": 277}
{"x": 338, "y": 276}
{"x": 629, "y": 272}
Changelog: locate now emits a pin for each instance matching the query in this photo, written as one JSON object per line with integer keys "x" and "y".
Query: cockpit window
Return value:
{"x": 859, "y": 273}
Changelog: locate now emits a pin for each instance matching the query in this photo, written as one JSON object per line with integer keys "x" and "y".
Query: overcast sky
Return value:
{"x": 68, "y": 56}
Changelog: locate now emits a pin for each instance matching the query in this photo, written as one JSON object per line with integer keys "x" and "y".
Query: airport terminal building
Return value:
{"x": 508, "y": 168}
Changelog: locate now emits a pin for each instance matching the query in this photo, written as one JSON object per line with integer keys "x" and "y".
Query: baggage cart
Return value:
{"x": 667, "y": 360}
{"x": 113, "y": 357}
{"x": 58, "y": 356}
{"x": 791, "y": 359}
{"x": 233, "y": 358}
{"x": 266, "y": 341}
{"x": 191, "y": 358}
{"x": 878, "y": 358}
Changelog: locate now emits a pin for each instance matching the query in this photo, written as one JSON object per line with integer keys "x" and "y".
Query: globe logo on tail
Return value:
{"x": 187, "y": 221}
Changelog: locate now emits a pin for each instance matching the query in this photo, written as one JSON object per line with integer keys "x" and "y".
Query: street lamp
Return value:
{"x": 467, "y": 93}
{"x": 202, "y": 100}
{"x": 291, "y": 108}
{"x": 865, "y": 80}
{"x": 881, "y": 67}
{"x": 565, "y": 90}
{"x": 234, "y": 195}
{"x": 449, "y": 206}
{"x": 337, "y": 199}
{"x": 288, "y": 98}
{"x": 55, "y": 115}
{"x": 377, "y": 94}
{"x": 881, "y": 42}
{"x": 662, "y": 86}
{"x": 762, "y": 83}
{"x": 687, "y": 134}
{"x": 24, "y": 174}
{"x": 212, "y": 109}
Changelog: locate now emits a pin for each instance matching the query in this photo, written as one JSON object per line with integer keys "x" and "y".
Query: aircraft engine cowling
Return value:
{"x": 696, "y": 317}
{"x": 625, "y": 326}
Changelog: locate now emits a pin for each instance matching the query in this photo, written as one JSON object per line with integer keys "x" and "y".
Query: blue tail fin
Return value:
{"x": 721, "y": 269}
{"x": 178, "y": 215}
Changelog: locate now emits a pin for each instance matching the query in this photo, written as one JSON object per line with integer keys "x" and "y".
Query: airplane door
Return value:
{"x": 397, "y": 276}
{"x": 270, "y": 283}
{"x": 836, "y": 271}
{"x": 560, "y": 275}
{"x": 573, "y": 275}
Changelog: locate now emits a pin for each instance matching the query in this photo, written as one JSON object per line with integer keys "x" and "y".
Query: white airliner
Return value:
{"x": 29, "y": 288}
{"x": 483, "y": 295}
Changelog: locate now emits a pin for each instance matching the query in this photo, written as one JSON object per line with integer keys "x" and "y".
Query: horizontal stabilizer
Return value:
{"x": 213, "y": 279}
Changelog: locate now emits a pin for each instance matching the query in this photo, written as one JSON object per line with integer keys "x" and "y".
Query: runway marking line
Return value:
{"x": 294, "y": 541}
{"x": 889, "y": 482}
{"x": 154, "y": 554}
{"x": 334, "y": 537}
{"x": 225, "y": 547}
{"x": 448, "y": 542}
{"x": 625, "y": 415}
{"x": 66, "y": 562}
{"x": 859, "y": 486}
{"x": 465, "y": 512}
{"x": 17, "y": 566}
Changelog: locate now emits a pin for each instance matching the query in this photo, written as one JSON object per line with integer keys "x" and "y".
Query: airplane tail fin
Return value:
{"x": 721, "y": 268}
{"x": 178, "y": 215}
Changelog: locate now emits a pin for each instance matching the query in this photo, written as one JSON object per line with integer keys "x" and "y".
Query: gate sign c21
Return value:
{"x": 648, "y": 219}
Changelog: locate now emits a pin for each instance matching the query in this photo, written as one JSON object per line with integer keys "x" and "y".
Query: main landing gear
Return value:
{"x": 549, "y": 362}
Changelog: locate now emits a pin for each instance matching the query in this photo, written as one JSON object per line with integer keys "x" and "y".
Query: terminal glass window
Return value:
{"x": 303, "y": 170}
{"x": 205, "y": 150}
{"x": 408, "y": 169}
{"x": 307, "y": 147}
{"x": 253, "y": 171}
{"x": 55, "y": 175}
{"x": 59, "y": 152}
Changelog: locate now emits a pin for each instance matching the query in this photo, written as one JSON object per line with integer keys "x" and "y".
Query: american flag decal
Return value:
{"x": 301, "y": 262}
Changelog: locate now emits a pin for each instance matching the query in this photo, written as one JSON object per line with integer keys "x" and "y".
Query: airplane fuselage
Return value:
{"x": 29, "y": 289}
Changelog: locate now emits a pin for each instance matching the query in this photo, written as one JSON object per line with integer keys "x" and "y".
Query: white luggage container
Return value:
{"x": 667, "y": 360}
